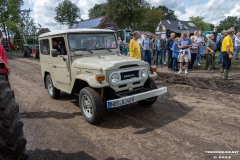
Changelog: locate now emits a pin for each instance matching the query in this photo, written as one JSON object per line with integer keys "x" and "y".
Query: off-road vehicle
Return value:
{"x": 87, "y": 62}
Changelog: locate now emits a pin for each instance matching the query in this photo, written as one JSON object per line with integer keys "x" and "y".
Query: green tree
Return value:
{"x": 151, "y": 19}
{"x": 230, "y": 21}
{"x": 98, "y": 10}
{"x": 67, "y": 13}
{"x": 200, "y": 23}
{"x": 126, "y": 13}
{"x": 9, "y": 15}
{"x": 168, "y": 13}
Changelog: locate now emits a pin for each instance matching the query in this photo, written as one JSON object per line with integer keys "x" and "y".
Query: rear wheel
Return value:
{"x": 12, "y": 140}
{"x": 52, "y": 91}
{"x": 91, "y": 105}
{"x": 150, "y": 83}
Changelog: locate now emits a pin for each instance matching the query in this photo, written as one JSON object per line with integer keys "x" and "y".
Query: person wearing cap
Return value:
{"x": 134, "y": 47}
{"x": 219, "y": 46}
{"x": 210, "y": 54}
{"x": 227, "y": 50}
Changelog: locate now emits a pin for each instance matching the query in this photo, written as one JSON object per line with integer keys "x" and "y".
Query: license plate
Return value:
{"x": 120, "y": 102}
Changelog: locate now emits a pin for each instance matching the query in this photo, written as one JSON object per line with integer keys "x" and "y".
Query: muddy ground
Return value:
{"x": 199, "y": 113}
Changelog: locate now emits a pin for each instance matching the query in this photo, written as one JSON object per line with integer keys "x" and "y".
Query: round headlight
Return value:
{"x": 144, "y": 73}
{"x": 114, "y": 78}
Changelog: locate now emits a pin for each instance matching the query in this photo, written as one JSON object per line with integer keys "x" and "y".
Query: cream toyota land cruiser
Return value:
{"x": 87, "y": 62}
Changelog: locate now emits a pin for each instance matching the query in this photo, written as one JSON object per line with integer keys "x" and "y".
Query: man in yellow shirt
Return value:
{"x": 227, "y": 50}
{"x": 134, "y": 47}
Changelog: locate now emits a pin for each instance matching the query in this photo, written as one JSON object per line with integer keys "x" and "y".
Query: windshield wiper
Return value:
{"x": 83, "y": 49}
{"x": 104, "y": 48}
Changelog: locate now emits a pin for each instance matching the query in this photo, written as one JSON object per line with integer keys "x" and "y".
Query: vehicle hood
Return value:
{"x": 107, "y": 62}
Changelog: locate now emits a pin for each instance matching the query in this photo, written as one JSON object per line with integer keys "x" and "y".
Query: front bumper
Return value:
{"x": 135, "y": 98}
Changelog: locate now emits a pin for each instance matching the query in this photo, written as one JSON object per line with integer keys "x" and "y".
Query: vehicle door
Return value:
{"x": 60, "y": 68}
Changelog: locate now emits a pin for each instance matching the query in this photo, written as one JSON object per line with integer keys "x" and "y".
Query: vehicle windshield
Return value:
{"x": 91, "y": 41}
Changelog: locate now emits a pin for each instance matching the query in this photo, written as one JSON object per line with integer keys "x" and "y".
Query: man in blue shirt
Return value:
{"x": 184, "y": 45}
{"x": 158, "y": 45}
{"x": 169, "y": 45}
{"x": 146, "y": 47}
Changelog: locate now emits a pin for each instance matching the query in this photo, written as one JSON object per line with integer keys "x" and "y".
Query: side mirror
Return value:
{"x": 54, "y": 53}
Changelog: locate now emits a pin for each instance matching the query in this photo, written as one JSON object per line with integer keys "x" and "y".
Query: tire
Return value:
{"x": 96, "y": 106}
{"x": 150, "y": 83}
{"x": 24, "y": 53}
{"x": 53, "y": 92}
{"x": 12, "y": 140}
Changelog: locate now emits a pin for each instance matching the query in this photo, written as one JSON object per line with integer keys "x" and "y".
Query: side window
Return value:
{"x": 44, "y": 47}
{"x": 59, "y": 44}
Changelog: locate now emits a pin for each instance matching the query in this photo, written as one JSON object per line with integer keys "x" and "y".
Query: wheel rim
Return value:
{"x": 50, "y": 86}
{"x": 87, "y": 106}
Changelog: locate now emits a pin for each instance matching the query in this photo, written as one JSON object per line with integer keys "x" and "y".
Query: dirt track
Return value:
{"x": 197, "y": 115}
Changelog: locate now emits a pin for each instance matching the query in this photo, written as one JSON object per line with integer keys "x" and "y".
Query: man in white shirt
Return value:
{"x": 237, "y": 46}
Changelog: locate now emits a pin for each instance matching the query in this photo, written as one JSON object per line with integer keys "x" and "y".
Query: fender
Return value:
{"x": 90, "y": 79}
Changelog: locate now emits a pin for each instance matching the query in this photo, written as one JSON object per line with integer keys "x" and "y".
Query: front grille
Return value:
{"x": 129, "y": 75}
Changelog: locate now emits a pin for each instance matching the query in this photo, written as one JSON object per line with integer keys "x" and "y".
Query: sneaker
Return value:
{"x": 179, "y": 72}
{"x": 186, "y": 72}
{"x": 199, "y": 64}
{"x": 164, "y": 63}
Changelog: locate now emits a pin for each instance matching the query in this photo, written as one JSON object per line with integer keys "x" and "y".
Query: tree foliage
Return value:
{"x": 67, "y": 13}
{"x": 230, "y": 21}
{"x": 200, "y": 23}
{"x": 151, "y": 19}
{"x": 168, "y": 14}
{"x": 10, "y": 15}
{"x": 98, "y": 10}
{"x": 126, "y": 13}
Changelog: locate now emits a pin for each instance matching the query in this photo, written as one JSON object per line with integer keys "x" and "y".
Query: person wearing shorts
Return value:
{"x": 184, "y": 46}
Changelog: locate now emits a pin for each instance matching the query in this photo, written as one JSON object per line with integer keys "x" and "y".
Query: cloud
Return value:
{"x": 171, "y": 4}
{"x": 44, "y": 11}
{"x": 212, "y": 10}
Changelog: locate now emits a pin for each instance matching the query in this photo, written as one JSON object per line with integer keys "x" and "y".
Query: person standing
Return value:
{"x": 237, "y": 46}
{"x": 169, "y": 45}
{"x": 219, "y": 46}
{"x": 158, "y": 44}
{"x": 227, "y": 50}
{"x": 134, "y": 46}
{"x": 175, "y": 54}
{"x": 146, "y": 44}
{"x": 215, "y": 34}
{"x": 184, "y": 45}
{"x": 194, "y": 51}
{"x": 199, "y": 40}
{"x": 152, "y": 49}
{"x": 210, "y": 54}
{"x": 3, "y": 58}
{"x": 164, "y": 50}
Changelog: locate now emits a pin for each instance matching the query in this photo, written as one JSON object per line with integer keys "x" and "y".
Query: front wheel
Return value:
{"x": 91, "y": 105}
{"x": 52, "y": 91}
{"x": 150, "y": 83}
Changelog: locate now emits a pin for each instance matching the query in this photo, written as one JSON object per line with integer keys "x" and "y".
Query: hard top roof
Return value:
{"x": 82, "y": 30}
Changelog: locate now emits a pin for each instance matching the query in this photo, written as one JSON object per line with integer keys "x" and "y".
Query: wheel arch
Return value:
{"x": 45, "y": 75}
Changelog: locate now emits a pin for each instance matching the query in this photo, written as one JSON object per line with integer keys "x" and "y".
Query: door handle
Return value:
{"x": 54, "y": 66}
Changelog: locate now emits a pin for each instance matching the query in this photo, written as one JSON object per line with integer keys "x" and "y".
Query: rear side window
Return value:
{"x": 45, "y": 47}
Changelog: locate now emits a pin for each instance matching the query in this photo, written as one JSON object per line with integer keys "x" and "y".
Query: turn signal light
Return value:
{"x": 100, "y": 78}
{"x": 153, "y": 69}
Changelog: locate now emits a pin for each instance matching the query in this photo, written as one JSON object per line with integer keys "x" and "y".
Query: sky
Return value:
{"x": 43, "y": 11}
